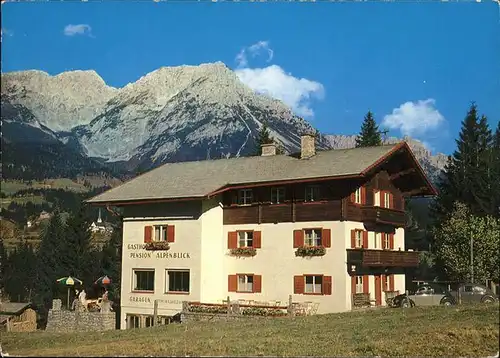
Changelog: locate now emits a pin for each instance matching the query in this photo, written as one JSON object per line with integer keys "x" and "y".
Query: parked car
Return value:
{"x": 475, "y": 293}
{"x": 426, "y": 295}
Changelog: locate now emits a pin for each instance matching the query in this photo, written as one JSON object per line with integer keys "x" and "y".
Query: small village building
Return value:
{"x": 325, "y": 227}
{"x": 17, "y": 317}
{"x": 100, "y": 226}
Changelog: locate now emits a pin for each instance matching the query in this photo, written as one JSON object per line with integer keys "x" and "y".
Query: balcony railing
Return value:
{"x": 378, "y": 215}
{"x": 382, "y": 258}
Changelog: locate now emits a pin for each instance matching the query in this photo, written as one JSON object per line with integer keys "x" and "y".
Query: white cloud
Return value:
{"x": 80, "y": 29}
{"x": 414, "y": 118}
{"x": 274, "y": 82}
{"x": 254, "y": 50}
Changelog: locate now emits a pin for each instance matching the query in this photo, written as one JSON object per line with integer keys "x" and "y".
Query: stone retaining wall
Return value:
{"x": 79, "y": 321}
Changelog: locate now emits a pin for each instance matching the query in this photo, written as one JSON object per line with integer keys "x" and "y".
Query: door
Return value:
{"x": 467, "y": 294}
{"x": 378, "y": 290}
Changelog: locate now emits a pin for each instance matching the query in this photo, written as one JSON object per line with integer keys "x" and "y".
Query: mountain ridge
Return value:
{"x": 171, "y": 114}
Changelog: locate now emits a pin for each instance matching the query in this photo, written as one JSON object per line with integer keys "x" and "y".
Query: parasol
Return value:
{"x": 103, "y": 280}
{"x": 69, "y": 281}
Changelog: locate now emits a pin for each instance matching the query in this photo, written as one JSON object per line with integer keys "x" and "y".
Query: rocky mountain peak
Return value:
{"x": 59, "y": 102}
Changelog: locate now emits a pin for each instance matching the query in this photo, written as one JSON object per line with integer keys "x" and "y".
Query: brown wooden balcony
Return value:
{"x": 382, "y": 258}
{"x": 378, "y": 215}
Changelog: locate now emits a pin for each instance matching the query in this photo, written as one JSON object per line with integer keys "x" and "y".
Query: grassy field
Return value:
{"x": 10, "y": 187}
{"x": 35, "y": 199}
{"x": 471, "y": 331}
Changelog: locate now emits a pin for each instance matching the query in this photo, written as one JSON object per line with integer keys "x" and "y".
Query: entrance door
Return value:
{"x": 378, "y": 290}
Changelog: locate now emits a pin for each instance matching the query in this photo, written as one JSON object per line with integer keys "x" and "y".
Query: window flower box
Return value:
{"x": 244, "y": 251}
{"x": 157, "y": 245}
{"x": 304, "y": 251}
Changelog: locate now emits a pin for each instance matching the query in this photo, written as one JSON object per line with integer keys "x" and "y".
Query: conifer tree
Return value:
{"x": 76, "y": 245}
{"x": 467, "y": 179}
{"x": 369, "y": 135}
{"x": 111, "y": 260}
{"x": 3, "y": 265}
{"x": 495, "y": 171}
{"x": 264, "y": 137}
{"x": 50, "y": 263}
{"x": 21, "y": 273}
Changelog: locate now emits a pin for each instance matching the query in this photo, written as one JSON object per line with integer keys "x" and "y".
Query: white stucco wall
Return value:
{"x": 277, "y": 263}
{"x": 187, "y": 243}
{"x": 203, "y": 237}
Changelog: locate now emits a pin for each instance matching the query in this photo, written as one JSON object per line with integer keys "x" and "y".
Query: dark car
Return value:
{"x": 474, "y": 293}
{"x": 425, "y": 295}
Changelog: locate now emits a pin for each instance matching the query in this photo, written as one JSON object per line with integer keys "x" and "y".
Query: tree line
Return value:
{"x": 29, "y": 275}
{"x": 464, "y": 228}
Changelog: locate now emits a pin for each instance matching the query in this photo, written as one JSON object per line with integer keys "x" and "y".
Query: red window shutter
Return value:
{"x": 353, "y": 197}
{"x": 298, "y": 238}
{"x": 232, "y": 283}
{"x": 391, "y": 241}
{"x": 353, "y": 239}
{"x": 365, "y": 239}
{"x": 232, "y": 240}
{"x": 148, "y": 233}
{"x": 391, "y": 198}
{"x": 382, "y": 198}
{"x": 298, "y": 284}
{"x": 391, "y": 283}
{"x": 384, "y": 287}
{"x": 171, "y": 233}
{"x": 353, "y": 284}
{"x": 326, "y": 238}
{"x": 366, "y": 287}
{"x": 257, "y": 283}
{"x": 327, "y": 285}
{"x": 257, "y": 239}
{"x": 363, "y": 195}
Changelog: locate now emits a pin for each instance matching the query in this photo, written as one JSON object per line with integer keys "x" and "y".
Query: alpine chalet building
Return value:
{"x": 320, "y": 226}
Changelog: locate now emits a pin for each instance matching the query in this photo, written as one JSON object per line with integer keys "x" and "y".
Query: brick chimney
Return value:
{"x": 307, "y": 146}
{"x": 268, "y": 149}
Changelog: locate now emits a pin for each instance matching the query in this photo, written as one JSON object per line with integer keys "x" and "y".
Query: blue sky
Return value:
{"x": 416, "y": 65}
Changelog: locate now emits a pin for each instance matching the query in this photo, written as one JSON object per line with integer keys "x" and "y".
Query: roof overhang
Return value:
{"x": 424, "y": 191}
{"x": 280, "y": 182}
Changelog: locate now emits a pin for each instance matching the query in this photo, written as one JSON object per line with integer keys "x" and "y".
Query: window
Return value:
{"x": 359, "y": 284}
{"x": 245, "y": 239}
{"x": 385, "y": 241}
{"x": 376, "y": 240}
{"x": 357, "y": 196}
{"x": 245, "y": 197}
{"x": 376, "y": 198}
{"x": 178, "y": 281}
{"x": 148, "y": 320}
{"x": 312, "y": 193}
{"x": 277, "y": 195}
{"x": 133, "y": 321}
{"x": 358, "y": 238}
{"x": 386, "y": 200}
{"x": 245, "y": 283}
{"x": 144, "y": 280}
{"x": 314, "y": 284}
{"x": 312, "y": 237}
{"x": 160, "y": 233}
{"x": 385, "y": 283}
